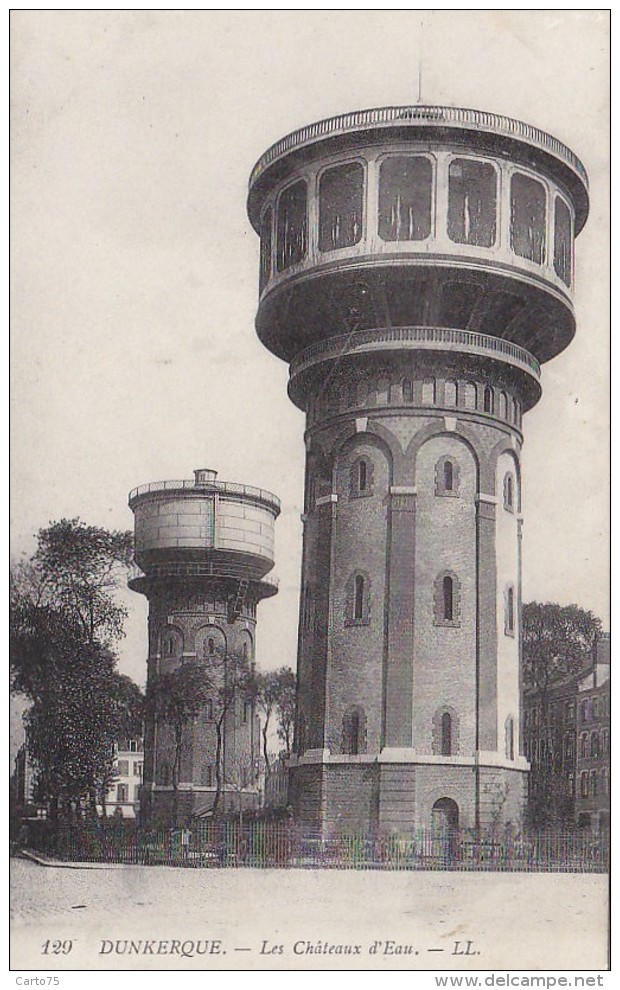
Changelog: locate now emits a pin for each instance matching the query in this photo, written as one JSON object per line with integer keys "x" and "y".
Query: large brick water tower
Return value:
{"x": 204, "y": 549}
{"x": 416, "y": 267}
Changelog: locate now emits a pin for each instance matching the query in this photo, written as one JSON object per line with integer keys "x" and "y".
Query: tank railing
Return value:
{"x": 225, "y": 487}
{"x": 363, "y": 339}
{"x": 198, "y": 568}
{"x": 396, "y": 115}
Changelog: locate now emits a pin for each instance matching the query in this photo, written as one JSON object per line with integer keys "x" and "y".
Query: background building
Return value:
{"x": 416, "y": 266}
{"x": 567, "y": 742}
{"x": 204, "y": 549}
{"x": 123, "y": 797}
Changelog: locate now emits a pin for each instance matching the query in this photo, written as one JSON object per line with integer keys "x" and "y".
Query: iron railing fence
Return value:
{"x": 286, "y": 844}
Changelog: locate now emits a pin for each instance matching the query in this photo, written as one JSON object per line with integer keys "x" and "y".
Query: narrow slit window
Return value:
{"x": 362, "y": 476}
{"x": 448, "y": 476}
{"x": 446, "y": 734}
{"x": 358, "y": 604}
{"x": 488, "y": 399}
{"x": 510, "y": 611}
{"x": 448, "y": 599}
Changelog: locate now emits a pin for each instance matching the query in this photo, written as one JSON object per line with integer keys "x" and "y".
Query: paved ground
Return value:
{"x": 173, "y": 916}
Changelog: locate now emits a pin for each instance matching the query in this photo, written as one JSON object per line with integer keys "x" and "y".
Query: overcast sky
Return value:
{"x": 135, "y": 268}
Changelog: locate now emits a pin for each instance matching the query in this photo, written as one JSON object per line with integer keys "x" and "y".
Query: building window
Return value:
{"x": 594, "y": 708}
{"x": 405, "y": 196}
{"x": 488, "y": 400}
{"x": 360, "y": 481}
{"x": 503, "y": 405}
{"x": 135, "y": 745}
{"x": 354, "y": 731}
{"x": 123, "y": 768}
{"x": 265, "y": 247}
{"x": 407, "y": 390}
{"x": 291, "y": 234}
{"x": 428, "y": 392}
{"x": 584, "y": 746}
{"x": 138, "y": 768}
{"x": 206, "y": 775}
{"x": 446, "y": 477}
{"x": 450, "y": 394}
{"x": 509, "y": 618}
{"x": 472, "y": 202}
{"x": 595, "y": 750}
{"x": 509, "y": 492}
{"x": 509, "y": 729}
{"x": 341, "y": 197}
{"x": 468, "y": 394}
{"x": 122, "y": 793}
{"x": 571, "y": 785}
{"x": 562, "y": 242}
{"x": 446, "y": 734}
{"x": 593, "y": 783}
{"x": 357, "y": 610}
{"x": 528, "y": 217}
{"x": 447, "y": 600}
{"x": 605, "y": 741}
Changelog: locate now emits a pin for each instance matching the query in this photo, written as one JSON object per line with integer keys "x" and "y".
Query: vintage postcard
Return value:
{"x": 310, "y": 643}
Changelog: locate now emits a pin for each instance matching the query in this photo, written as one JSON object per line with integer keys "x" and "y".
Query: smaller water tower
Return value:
{"x": 203, "y": 552}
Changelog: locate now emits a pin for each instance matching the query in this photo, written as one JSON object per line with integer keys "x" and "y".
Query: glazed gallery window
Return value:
{"x": 341, "y": 203}
{"x": 405, "y": 195}
{"x": 528, "y": 218}
{"x": 562, "y": 242}
{"x": 472, "y": 202}
{"x": 291, "y": 237}
{"x": 265, "y": 247}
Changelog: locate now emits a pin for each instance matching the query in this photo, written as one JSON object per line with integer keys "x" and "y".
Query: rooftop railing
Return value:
{"x": 382, "y": 338}
{"x": 396, "y": 116}
{"x": 221, "y": 487}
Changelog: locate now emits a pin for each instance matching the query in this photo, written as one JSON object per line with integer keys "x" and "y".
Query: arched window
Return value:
{"x": 358, "y": 605}
{"x": 407, "y": 387}
{"x": 468, "y": 392}
{"x": 428, "y": 392}
{"x": 503, "y": 405}
{"x": 509, "y": 492}
{"x": 488, "y": 399}
{"x": 510, "y": 738}
{"x": 448, "y": 599}
{"x": 447, "y": 603}
{"x": 593, "y": 783}
{"x": 450, "y": 394}
{"x": 210, "y": 647}
{"x": 595, "y": 750}
{"x": 446, "y": 476}
{"x": 446, "y": 734}
{"x": 353, "y": 731}
{"x": 510, "y": 610}
{"x": 584, "y": 745}
{"x": 360, "y": 479}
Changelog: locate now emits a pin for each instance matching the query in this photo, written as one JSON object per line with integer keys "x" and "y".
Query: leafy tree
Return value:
{"x": 180, "y": 696}
{"x": 275, "y": 695}
{"x": 177, "y": 698}
{"x": 63, "y": 618}
{"x": 558, "y": 643}
{"x": 78, "y": 568}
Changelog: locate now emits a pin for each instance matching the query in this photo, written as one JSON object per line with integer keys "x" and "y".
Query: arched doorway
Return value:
{"x": 444, "y": 827}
